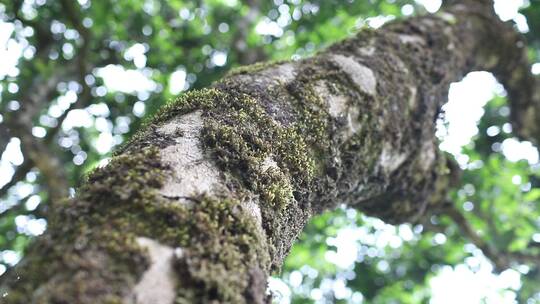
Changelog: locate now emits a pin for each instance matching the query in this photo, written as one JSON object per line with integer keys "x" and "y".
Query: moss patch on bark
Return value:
{"x": 92, "y": 246}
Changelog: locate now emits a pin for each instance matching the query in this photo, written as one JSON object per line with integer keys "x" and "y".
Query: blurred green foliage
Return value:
{"x": 152, "y": 50}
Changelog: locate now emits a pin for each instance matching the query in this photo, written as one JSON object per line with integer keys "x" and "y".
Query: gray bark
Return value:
{"x": 208, "y": 199}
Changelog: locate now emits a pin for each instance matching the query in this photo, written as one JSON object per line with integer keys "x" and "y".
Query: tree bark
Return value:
{"x": 207, "y": 200}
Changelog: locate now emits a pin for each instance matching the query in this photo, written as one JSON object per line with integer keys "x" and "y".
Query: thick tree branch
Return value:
{"x": 48, "y": 164}
{"x": 18, "y": 175}
{"x": 523, "y": 89}
{"x": 245, "y": 54}
{"x": 507, "y": 59}
{"x": 4, "y": 137}
{"x": 255, "y": 156}
{"x": 502, "y": 260}
{"x": 37, "y": 152}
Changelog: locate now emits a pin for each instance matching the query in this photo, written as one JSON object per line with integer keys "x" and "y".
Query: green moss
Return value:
{"x": 92, "y": 239}
{"x": 253, "y": 68}
{"x": 285, "y": 160}
{"x": 91, "y": 232}
{"x": 222, "y": 247}
{"x": 274, "y": 187}
{"x": 183, "y": 104}
{"x": 228, "y": 247}
{"x": 243, "y": 136}
{"x": 215, "y": 234}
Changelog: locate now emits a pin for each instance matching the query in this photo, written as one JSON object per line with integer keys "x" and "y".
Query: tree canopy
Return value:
{"x": 78, "y": 78}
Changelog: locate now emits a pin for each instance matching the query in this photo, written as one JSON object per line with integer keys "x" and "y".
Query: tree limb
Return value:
{"x": 257, "y": 155}
{"x": 502, "y": 260}
{"x": 37, "y": 152}
{"x": 247, "y": 55}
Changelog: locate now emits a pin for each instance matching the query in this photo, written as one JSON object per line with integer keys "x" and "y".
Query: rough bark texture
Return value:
{"x": 208, "y": 199}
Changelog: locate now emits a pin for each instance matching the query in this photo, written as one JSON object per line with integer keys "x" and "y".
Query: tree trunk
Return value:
{"x": 207, "y": 200}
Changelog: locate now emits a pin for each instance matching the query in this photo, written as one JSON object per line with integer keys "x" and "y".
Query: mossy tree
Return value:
{"x": 206, "y": 200}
